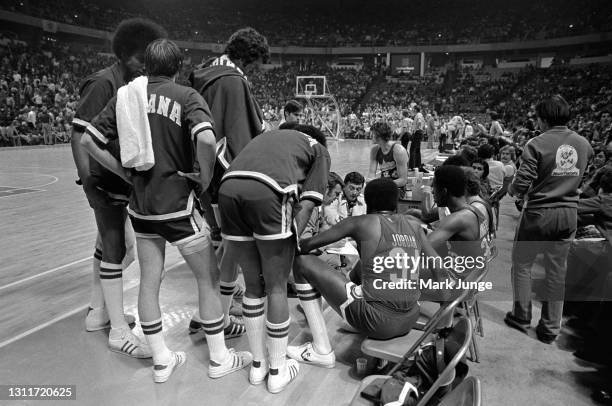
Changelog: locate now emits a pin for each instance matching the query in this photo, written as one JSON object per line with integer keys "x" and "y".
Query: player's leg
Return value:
{"x": 319, "y": 352}
{"x": 151, "y": 254}
{"x": 276, "y": 258}
{"x": 111, "y": 226}
{"x": 198, "y": 252}
{"x": 245, "y": 253}
{"x": 97, "y": 317}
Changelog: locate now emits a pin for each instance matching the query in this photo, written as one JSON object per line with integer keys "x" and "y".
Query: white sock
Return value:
{"x": 112, "y": 287}
{"x": 253, "y": 313}
{"x": 153, "y": 332}
{"x": 215, "y": 339}
{"x": 309, "y": 299}
{"x": 227, "y": 293}
{"x": 97, "y": 297}
{"x": 278, "y": 337}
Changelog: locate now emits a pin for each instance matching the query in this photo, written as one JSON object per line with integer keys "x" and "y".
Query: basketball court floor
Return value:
{"x": 47, "y": 233}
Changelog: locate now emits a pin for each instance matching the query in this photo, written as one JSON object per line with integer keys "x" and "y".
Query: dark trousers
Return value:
{"x": 414, "y": 161}
{"x": 548, "y": 231}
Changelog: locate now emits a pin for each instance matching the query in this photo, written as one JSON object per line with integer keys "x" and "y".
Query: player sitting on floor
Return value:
{"x": 374, "y": 307}
{"x": 163, "y": 207}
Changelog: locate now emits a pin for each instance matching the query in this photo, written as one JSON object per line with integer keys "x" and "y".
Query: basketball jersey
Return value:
{"x": 386, "y": 163}
{"x": 398, "y": 238}
{"x": 479, "y": 248}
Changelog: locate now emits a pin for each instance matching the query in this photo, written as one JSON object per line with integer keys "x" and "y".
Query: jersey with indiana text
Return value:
{"x": 176, "y": 114}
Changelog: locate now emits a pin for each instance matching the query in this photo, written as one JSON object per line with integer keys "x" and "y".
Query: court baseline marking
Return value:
{"x": 68, "y": 314}
{"x": 29, "y": 278}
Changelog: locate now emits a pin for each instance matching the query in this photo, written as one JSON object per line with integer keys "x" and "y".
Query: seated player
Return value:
{"x": 388, "y": 157}
{"x": 163, "y": 206}
{"x": 465, "y": 232}
{"x": 270, "y": 189}
{"x": 370, "y": 308}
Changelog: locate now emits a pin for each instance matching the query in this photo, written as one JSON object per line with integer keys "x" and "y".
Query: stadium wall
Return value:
{"x": 595, "y": 39}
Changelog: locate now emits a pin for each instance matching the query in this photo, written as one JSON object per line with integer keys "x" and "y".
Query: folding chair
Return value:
{"x": 472, "y": 311}
{"x": 394, "y": 350}
{"x": 461, "y": 335}
{"x": 468, "y": 393}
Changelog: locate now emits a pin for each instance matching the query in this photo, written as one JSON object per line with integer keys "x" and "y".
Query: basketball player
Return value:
{"x": 223, "y": 83}
{"x": 370, "y": 308}
{"x": 270, "y": 190}
{"x": 163, "y": 205}
{"x": 292, "y": 112}
{"x": 389, "y": 157}
{"x": 466, "y": 231}
{"x": 107, "y": 193}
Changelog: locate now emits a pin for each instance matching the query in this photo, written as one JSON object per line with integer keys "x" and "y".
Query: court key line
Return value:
{"x": 67, "y": 314}
{"x": 55, "y": 179}
{"x": 29, "y": 278}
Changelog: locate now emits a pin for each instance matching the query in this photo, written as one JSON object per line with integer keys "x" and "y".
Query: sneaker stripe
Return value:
{"x": 125, "y": 344}
{"x": 133, "y": 349}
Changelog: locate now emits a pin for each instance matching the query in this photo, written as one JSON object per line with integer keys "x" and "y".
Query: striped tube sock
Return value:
{"x": 215, "y": 339}
{"x": 278, "y": 336}
{"x": 309, "y": 300}
{"x": 97, "y": 297}
{"x": 153, "y": 332}
{"x": 227, "y": 292}
{"x": 111, "y": 279}
{"x": 254, "y": 316}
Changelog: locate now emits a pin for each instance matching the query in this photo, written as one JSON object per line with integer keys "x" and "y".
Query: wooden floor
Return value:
{"x": 47, "y": 235}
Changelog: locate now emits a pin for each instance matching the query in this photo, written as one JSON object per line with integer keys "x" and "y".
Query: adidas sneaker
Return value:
{"x": 259, "y": 371}
{"x": 162, "y": 372}
{"x": 235, "y": 328}
{"x": 97, "y": 319}
{"x": 233, "y": 362}
{"x": 125, "y": 342}
{"x": 279, "y": 381}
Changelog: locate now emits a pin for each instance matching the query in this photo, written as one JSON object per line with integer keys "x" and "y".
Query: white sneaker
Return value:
{"x": 161, "y": 372}
{"x": 97, "y": 319}
{"x": 278, "y": 382}
{"x": 125, "y": 342}
{"x": 234, "y": 362}
{"x": 259, "y": 371}
{"x": 306, "y": 353}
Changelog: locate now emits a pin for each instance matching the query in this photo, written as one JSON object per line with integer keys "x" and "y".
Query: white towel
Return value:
{"x": 133, "y": 125}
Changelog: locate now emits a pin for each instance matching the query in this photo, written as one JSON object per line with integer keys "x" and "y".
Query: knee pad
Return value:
{"x": 197, "y": 244}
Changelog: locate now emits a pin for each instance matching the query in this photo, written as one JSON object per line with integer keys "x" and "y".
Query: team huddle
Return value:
{"x": 195, "y": 165}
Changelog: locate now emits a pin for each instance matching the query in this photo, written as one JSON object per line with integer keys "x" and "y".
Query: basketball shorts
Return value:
{"x": 373, "y": 319}
{"x": 250, "y": 210}
{"x": 176, "y": 232}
